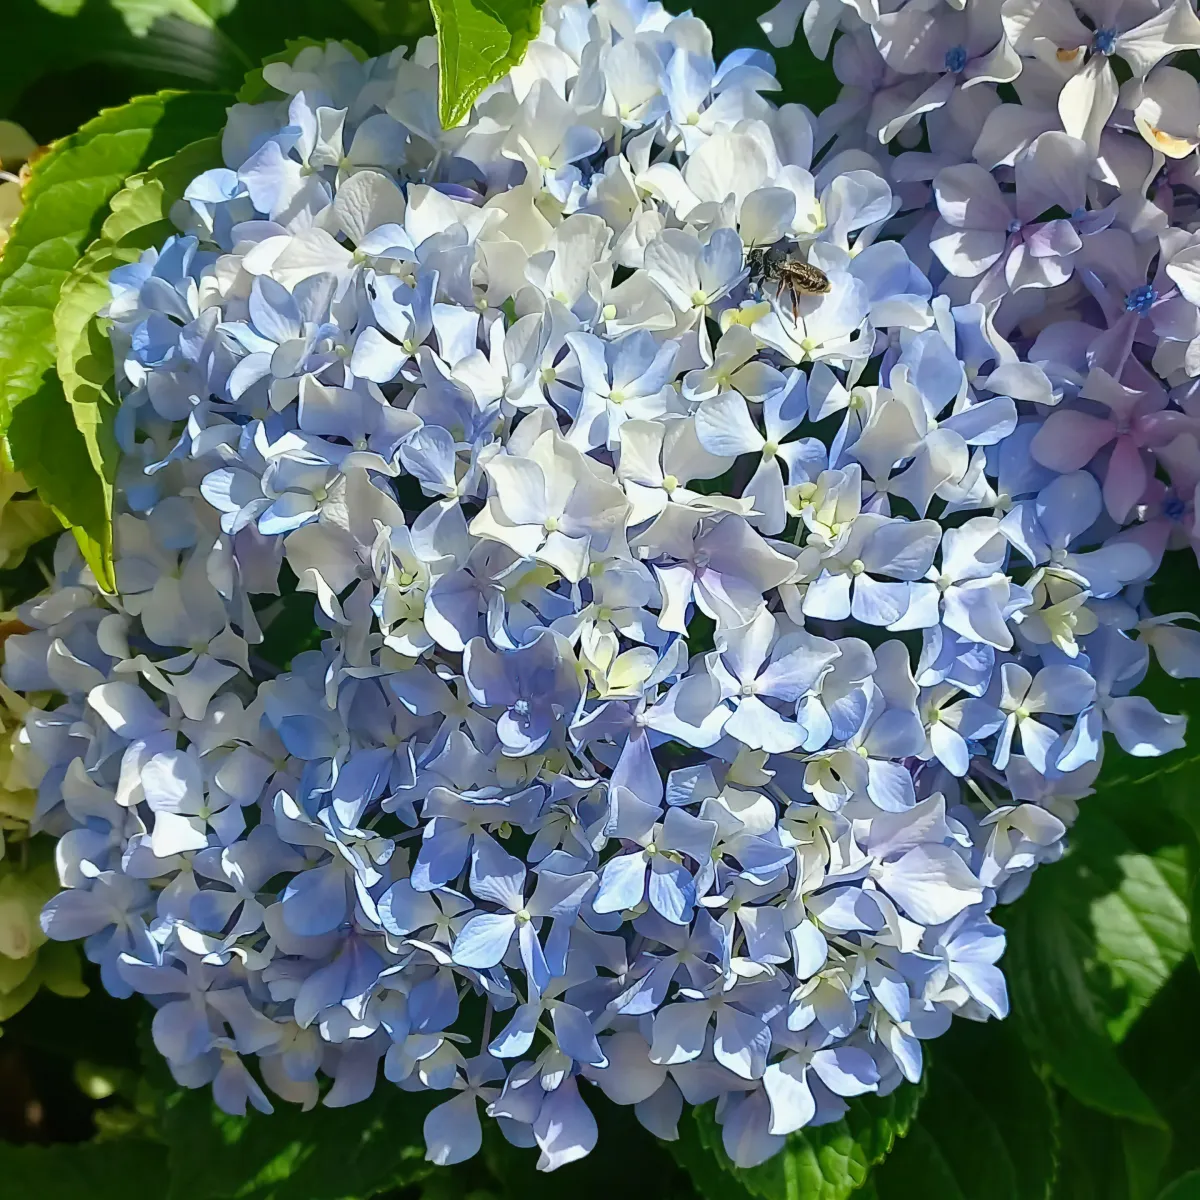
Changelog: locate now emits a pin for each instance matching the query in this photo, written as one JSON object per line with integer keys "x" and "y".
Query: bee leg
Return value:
{"x": 795, "y": 302}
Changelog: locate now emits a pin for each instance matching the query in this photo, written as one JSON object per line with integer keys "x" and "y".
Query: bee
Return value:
{"x": 780, "y": 265}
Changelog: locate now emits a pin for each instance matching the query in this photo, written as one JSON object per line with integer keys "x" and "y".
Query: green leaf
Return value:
{"x": 826, "y": 1162}
{"x": 1162, "y": 1051}
{"x": 1091, "y": 1154}
{"x": 1194, "y": 915}
{"x": 51, "y": 295}
{"x": 140, "y": 15}
{"x": 326, "y": 1154}
{"x": 502, "y": 1171}
{"x": 1096, "y": 937}
{"x": 1186, "y": 1187}
{"x": 1054, "y": 999}
{"x": 478, "y": 41}
{"x": 987, "y": 1129}
{"x": 1142, "y": 929}
{"x": 54, "y": 458}
{"x": 130, "y": 1169}
{"x": 138, "y": 219}
{"x": 392, "y": 18}
{"x": 65, "y": 202}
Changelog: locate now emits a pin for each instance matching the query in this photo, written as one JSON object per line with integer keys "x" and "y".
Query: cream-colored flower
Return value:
{"x": 27, "y": 875}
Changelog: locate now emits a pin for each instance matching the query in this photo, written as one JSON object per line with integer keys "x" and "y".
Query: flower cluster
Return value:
{"x": 705, "y": 645}
{"x": 27, "y": 875}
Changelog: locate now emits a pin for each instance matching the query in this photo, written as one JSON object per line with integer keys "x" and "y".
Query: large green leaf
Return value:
{"x": 117, "y": 1170}
{"x": 1142, "y": 929}
{"x": 393, "y": 18}
{"x": 1097, "y": 936}
{"x": 987, "y": 1129}
{"x": 1186, "y": 1187}
{"x": 53, "y": 457}
{"x": 65, "y": 202}
{"x": 327, "y": 1154}
{"x": 478, "y": 41}
{"x": 60, "y": 429}
{"x": 1092, "y": 1162}
{"x": 1162, "y": 1051}
{"x": 826, "y": 1162}
{"x": 138, "y": 219}
{"x": 1056, "y": 1002}
{"x": 139, "y": 15}
{"x": 1103, "y": 1158}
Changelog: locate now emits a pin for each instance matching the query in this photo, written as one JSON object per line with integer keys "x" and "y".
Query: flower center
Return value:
{"x": 956, "y": 58}
{"x": 1174, "y": 508}
{"x": 1140, "y": 300}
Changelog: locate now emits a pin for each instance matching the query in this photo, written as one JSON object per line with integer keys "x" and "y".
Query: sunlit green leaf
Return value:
{"x": 65, "y": 202}
{"x": 327, "y": 1154}
{"x": 477, "y": 43}
{"x": 825, "y": 1162}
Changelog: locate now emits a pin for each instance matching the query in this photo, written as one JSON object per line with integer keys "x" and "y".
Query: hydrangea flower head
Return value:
{"x": 700, "y": 660}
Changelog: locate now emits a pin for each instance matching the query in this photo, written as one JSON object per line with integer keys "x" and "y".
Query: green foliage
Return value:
{"x": 71, "y": 65}
{"x": 393, "y": 18}
{"x": 121, "y": 1170}
{"x": 477, "y": 43}
{"x": 62, "y": 438}
{"x": 138, "y": 219}
{"x": 1055, "y": 1002}
{"x": 140, "y": 15}
{"x": 827, "y": 1162}
{"x": 65, "y": 201}
{"x": 1186, "y": 1187}
{"x": 329, "y": 1154}
{"x": 1142, "y": 928}
{"x": 54, "y": 457}
{"x": 987, "y": 1128}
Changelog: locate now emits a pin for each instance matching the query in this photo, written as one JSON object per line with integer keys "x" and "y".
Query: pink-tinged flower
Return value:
{"x": 1135, "y": 423}
{"x": 1168, "y": 513}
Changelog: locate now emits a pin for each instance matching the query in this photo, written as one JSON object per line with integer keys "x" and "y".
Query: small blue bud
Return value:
{"x": 1140, "y": 299}
{"x": 956, "y": 58}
